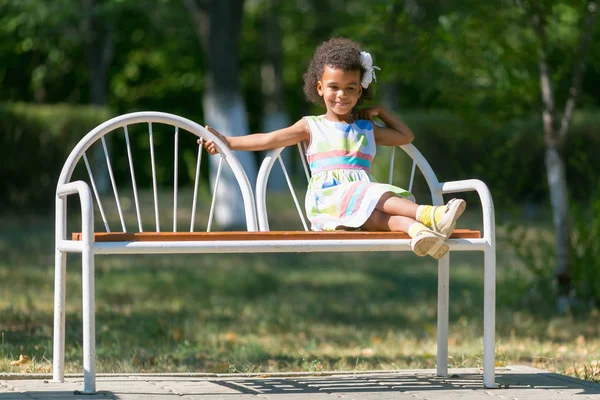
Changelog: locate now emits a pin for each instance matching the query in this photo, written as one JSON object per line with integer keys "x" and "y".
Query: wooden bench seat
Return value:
{"x": 270, "y": 236}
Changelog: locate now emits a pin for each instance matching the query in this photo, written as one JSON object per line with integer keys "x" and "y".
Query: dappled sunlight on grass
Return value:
{"x": 275, "y": 312}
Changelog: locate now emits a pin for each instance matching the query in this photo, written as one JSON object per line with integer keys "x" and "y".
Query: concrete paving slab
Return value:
{"x": 223, "y": 397}
{"x": 138, "y": 396}
{"x": 6, "y": 392}
{"x": 199, "y": 388}
{"x": 383, "y": 394}
{"x": 514, "y": 383}
{"x": 301, "y": 396}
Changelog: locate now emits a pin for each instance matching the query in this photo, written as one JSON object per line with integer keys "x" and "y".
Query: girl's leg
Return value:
{"x": 441, "y": 219}
{"x": 391, "y": 204}
{"x": 424, "y": 240}
{"x": 381, "y": 221}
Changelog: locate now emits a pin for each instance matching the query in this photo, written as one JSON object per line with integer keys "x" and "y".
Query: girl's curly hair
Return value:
{"x": 339, "y": 53}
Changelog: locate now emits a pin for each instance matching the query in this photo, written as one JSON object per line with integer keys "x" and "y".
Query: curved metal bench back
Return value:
{"x": 275, "y": 155}
{"x": 153, "y": 123}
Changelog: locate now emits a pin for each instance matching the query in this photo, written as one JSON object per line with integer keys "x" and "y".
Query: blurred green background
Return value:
{"x": 464, "y": 75}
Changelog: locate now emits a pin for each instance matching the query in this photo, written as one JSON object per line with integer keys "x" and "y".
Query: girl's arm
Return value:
{"x": 395, "y": 132}
{"x": 262, "y": 141}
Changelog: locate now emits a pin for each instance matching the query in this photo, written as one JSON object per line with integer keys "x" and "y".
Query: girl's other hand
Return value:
{"x": 367, "y": 113}
{"x": 210, "y": 145}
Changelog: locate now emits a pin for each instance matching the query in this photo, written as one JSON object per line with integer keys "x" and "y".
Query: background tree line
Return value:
{"x": 490, "y": 88}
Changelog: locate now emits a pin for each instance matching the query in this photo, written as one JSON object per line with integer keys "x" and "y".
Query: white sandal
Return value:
{"x": 428, "y": 242}
{"x": 454, "y": 209}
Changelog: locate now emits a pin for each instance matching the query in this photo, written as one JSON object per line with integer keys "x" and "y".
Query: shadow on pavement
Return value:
{"x": 518, "y": 382}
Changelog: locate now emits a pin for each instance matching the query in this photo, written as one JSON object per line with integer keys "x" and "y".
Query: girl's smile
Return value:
{"x": 340, "y": 91}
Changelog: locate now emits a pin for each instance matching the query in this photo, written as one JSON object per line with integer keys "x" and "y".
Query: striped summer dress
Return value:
{"x": 341, "y": 193}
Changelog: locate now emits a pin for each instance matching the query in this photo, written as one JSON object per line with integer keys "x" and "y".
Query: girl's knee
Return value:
{"x": 377, "y": 221}
{"x": 384, "y": 197}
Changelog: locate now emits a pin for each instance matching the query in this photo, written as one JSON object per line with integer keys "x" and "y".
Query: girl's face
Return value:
{"x": 340, "y": 91}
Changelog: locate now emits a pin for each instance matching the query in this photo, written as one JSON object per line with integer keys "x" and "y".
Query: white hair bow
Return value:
{"x": 367, "y": 62}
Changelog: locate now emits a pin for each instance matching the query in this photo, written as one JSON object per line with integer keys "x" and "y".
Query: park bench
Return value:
{"x": 256, "y": 239}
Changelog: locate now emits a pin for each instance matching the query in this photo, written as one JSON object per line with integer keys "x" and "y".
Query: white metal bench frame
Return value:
{"x": 256, "y": 219}
{"x": 486, "y": 244}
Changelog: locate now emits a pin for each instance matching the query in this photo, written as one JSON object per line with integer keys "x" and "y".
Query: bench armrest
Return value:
{"x": 487, "y": 205}
{"x": 87, "y": 210}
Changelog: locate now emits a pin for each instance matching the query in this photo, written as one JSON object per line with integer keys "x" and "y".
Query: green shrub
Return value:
{"x": 35, "y": 141}
{"x": 585, "y": 254}
{"x": 536, "y": 248}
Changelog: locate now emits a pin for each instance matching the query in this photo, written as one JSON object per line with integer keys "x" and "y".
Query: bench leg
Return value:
{"x": 89, "y": 324}
{"x": 58, "y": 354}
{"x": 489, "y": 317}
{"x": 442, "y": 316}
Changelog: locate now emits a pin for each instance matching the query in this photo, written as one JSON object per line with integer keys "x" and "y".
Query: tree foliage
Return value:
{"x": 474, "y": 57}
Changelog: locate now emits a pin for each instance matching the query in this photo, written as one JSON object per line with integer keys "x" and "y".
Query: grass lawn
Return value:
{"x": 277, "y": 312}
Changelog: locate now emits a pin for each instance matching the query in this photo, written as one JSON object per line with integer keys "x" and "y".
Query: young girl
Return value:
{"x": 342, "y": 193}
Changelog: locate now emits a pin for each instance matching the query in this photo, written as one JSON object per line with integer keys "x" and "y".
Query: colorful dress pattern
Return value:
{"x": 341, "y": 193}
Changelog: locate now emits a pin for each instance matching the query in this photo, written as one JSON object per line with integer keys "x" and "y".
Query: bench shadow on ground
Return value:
{"x": 405, "y": 383}
{"x": 535, "y": 384}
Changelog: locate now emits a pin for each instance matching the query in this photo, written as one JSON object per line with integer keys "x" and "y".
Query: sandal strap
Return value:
{"x": 432, "y": 232}
{"x": 434, "y": 224}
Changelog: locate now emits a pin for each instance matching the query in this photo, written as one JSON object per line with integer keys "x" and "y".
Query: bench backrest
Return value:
{"x": 163, "y": 129}
{"x": 274, "y": 156}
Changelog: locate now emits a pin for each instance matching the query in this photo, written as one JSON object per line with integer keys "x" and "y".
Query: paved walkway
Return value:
{"x": 515, "y": 383}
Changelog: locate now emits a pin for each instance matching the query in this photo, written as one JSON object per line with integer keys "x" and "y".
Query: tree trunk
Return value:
{"x": 555, "y": 138}
{"x": 99, "y": 49}
{"x": 217, "y": 25}
{"x": 275, "y": 115}
{"x": 559, "y": 199}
